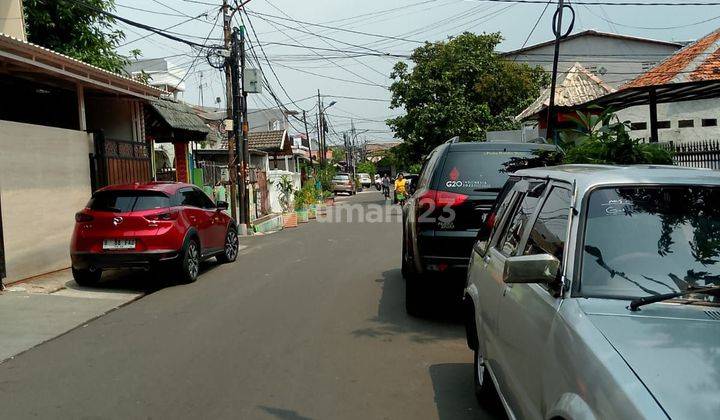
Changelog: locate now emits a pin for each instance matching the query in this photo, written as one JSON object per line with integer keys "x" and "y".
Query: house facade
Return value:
{"x": 66, "y": 128}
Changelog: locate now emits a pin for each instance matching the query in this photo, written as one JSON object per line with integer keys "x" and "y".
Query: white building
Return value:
{"x": 618, "y": 60}
{"x": 160, "y": 73}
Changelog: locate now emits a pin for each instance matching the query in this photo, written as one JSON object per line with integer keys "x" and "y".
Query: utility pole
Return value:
{"x": 347, "y": 151}
{"x": 559, "y": 36}
{"x": 352, "y": 153}
{"x": 244, "y": 193}
{"x": 321, "y": 130}
{"x": 229, "y": 99}
{"x": 307, "y": 136}
{"x": 237, "y": 126}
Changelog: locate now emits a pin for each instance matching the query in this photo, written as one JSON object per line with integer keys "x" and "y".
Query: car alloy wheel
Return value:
{"x": 193, "y": 261}
{"x": 231, "y": 246}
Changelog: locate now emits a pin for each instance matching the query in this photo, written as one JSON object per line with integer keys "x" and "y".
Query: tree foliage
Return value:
{"x": 461, "y": 87}
{"x": 65, "y": 26}
{"x": 603, "y": 138}
{"x": 366, "y": 167}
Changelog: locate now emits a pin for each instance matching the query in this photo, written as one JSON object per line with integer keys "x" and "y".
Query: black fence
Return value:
{"x": 697, "y": 154}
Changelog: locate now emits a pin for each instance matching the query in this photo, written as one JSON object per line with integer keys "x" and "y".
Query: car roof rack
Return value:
{"x": 455, "y": 139}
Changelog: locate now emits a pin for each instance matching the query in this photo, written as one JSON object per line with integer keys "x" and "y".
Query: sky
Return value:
{"x": 302, "y": 71}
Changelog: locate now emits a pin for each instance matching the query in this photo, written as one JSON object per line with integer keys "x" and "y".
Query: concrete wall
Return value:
{"x": 708, "y": 109}
{"x": 44, "y": 180}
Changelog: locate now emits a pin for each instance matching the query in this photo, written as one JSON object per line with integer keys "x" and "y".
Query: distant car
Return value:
{"x": 149, "y": 225}
{"x": 343, "y": 182}
{"x": 365, "y": 180}
{"x": 456, "y": 188}
{"x": 597, "y": 295}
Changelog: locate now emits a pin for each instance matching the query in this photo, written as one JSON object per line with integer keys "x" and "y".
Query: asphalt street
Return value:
{"x": 309, "y": 323}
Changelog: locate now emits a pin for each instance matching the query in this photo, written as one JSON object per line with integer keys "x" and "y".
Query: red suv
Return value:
{"x": 150, "y": 224}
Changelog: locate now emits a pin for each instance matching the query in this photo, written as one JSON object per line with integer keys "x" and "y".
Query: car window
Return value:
{"x": 204, "y": 200}
{"x": 427, "y": 169}
{"x": 524, "y": 211}
{"x": 651, "y": 240}
{"x": 126, "y": 201}
{"x": 468, "y": 171}
{"x": 341, "y": 177}
{"x": 549, "y": 232}
{"x": 193, "y": 198}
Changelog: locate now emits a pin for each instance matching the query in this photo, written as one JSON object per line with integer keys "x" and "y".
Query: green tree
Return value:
{"x": 366, "y": 167}
{"x": 461, "y": 87}
{"x": 338, "y": 154}
{"x": 69, "y": 28}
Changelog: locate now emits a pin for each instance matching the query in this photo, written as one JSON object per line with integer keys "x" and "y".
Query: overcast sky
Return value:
{"x": 303, "y": 71}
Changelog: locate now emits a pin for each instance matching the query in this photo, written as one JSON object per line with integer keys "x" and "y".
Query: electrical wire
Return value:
{"x": 158, "y": 31}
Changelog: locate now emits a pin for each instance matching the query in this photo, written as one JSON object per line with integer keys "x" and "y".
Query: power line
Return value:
{"x": 332, "y": 78}
{"x": 535, "y": 26}
{"x": 357, "y": 98}
{"x": 650, "y": 28}
{"x": 158, "y": 31}
{"x": 315, "y": 52}
{"x": 608, "y": 3}
{"x": 319, "y": 25}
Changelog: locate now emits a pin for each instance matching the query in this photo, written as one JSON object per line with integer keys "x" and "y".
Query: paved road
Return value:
{"x": 309, "y": 323}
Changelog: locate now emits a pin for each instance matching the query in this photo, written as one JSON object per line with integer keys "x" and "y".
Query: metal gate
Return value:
{"x": 119, "y": 162}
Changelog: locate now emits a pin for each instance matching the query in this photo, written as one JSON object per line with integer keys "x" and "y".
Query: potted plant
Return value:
{"x": 328, "y": 198}
{"x": 285, "y": 188}
{"x": 301, "y": 205}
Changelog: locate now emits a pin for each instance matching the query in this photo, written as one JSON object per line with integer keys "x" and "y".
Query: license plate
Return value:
{"x": 119, "y": 244}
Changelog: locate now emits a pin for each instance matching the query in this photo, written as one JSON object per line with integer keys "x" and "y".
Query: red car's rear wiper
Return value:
{"x": 637, "y": 303}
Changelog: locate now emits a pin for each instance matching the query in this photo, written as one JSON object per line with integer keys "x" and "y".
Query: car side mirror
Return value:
{"x": 222, "y": 205}
{"x": 541, "y": 268}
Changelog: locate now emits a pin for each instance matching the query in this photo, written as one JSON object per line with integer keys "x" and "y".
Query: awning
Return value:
{"x": 179, "y": 120}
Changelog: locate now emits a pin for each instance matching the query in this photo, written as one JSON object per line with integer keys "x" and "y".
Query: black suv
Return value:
{"x": 457, "y": 188}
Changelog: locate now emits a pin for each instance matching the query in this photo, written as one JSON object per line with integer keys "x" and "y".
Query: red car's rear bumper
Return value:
{"x": 107, "y": 260}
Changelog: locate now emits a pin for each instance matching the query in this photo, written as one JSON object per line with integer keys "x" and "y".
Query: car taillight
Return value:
{"x": 81, "y": 217}
{"x": 163, "y": 217}
{"x": 440, "y": 199}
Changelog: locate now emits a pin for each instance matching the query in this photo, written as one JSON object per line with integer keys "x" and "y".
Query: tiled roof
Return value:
{"x": 266, "y": 141}
{"x": 574, "y": 87}
{"x": 696, "y": 62}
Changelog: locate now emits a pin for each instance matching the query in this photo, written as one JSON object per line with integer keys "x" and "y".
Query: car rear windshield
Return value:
{"x": 127, "y": 201}
{"x": 642, "y": 241}
{"x": 469, "y": 171}
{"x": 341, "y": 177}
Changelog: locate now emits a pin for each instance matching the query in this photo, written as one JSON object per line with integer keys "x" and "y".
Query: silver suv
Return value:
{"x": 598, "y": 294}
